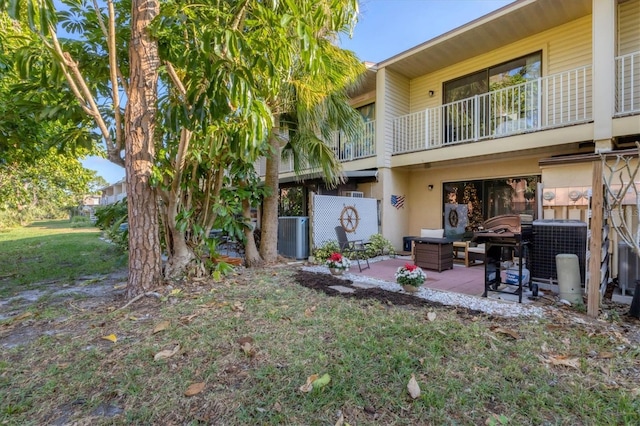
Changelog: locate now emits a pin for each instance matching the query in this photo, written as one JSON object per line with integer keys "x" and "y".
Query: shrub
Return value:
{"x": 80, "y": 222}
{"x": 379, "y": 246}
{"x": 323, "y": 252}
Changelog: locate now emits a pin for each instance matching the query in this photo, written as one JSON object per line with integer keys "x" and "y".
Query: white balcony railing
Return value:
{"x": 628, "y": 84}
{"x": 361, "y": 146}
{"x": 554, "y": 101}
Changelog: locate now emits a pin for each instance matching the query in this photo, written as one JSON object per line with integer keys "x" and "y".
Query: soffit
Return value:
{"x": 509, "y": 24}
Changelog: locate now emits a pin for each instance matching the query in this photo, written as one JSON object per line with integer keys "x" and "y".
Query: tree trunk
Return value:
{"x": 252, "y": 258}
{"x": 145, "y": 266}
{"x": 269, "y": 239}
{"x": 179, "y": 253}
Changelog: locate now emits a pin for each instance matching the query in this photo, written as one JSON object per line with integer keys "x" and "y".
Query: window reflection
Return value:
{"x": 484, "y": 199}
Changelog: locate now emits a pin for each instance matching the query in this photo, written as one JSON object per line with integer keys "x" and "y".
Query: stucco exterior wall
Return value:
{"x": 426, "y": 205}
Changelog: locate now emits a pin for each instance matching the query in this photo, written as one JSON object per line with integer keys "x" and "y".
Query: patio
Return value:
{"x": 460, "y": 279}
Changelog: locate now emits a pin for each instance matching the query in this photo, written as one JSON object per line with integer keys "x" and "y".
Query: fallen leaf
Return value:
{"x": 277, "y": 407}
{"x": 248, "y": 349}
{"x": 188, "y": 318}
{"x": 413, "y": 387}
{"x": 175, "y": 291}
{"x": 562, "y": 360}
{"x": 340, "y": 421}
{"x": 246, "y": 339}
{"x": 161, "y": 326}
{"x": 111, "y": 337}
{"x": 506, "y": 331}
{"x": 194, "y": 389}
{"x": 308, "y": 386}
{"x": 167, "y": 353}
{"x": 544, "y": 348}
{"x": 496, "y": 419}
{"x": 22, "y": 316}
{"x": 237, "y": 307}
{"x": 635, "y": 391}
{"x": 322, "y": 381}
{"x": 606, "y": 355}
{"x": 309, "y": 311}
{"x": 431, "y": 316}
{"x": 621, "y": 337}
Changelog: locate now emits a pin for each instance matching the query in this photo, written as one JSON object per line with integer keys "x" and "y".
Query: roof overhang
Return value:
{"x": 513, "y": 22}
{"x": 357, "y": 176}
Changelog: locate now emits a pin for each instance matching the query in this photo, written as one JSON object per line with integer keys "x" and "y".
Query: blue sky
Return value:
{"x": 385, "y": 28}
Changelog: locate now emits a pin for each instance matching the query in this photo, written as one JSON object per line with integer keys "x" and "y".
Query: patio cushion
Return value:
{"x": 431, "y": 233}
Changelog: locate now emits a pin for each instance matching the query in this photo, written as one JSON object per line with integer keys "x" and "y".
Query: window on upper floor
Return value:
{"x": 368, "y": 112}
{"x": 493, "y": 78}
{"x": 492, "y": 100}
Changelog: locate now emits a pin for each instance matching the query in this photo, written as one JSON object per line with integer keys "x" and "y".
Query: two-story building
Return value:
{"x": 501, "y": 115}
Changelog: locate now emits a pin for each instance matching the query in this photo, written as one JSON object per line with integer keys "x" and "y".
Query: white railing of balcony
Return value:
{"x": 628, "y": 84}
{"x": 361, "y": 146}
{"x": 286, "y": 164}
{"x": 554, "y": 101}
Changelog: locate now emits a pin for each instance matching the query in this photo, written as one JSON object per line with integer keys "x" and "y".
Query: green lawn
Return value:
{"x": 250, "y": 342}
{"x": 52, "y": 252}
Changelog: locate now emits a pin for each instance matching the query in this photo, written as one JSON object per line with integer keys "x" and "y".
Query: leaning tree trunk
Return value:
{"x": 269, "y": 238}
{"x": 145, "y": 266}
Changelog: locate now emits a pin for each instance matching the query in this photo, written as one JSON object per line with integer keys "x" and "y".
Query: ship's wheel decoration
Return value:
{"x": 349, "y": 218}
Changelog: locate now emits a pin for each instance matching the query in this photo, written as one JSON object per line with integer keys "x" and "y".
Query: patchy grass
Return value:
{"x": 52, "y": 252}
{"x": 253, "y": 340}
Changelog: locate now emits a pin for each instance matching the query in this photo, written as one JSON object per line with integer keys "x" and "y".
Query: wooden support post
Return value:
{"x": 595, "y": 242}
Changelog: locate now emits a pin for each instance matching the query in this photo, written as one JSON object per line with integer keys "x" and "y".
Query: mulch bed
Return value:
{"x": 322, "y": 282}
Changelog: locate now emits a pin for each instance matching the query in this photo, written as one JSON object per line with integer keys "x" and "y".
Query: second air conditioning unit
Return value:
{"x": 355, "y": 194}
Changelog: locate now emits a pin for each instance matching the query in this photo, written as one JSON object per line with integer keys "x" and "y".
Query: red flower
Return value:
{"x": 335, "y": 257}
{"x": 409, "y": 267}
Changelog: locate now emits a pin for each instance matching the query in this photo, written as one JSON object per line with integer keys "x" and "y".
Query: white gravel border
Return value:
{"x": 485, "y": 304}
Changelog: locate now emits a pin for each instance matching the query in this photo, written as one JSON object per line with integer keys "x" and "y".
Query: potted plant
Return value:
{"x": 337, "y": 263}
{"x": 410, "y": 277}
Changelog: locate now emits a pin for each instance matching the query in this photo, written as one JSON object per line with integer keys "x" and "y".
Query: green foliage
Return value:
{"x": 323, "y": 252}
{"x": 112, "y": 220}
{"x": 379, "y": 246}
{"x": 48, "y": 188}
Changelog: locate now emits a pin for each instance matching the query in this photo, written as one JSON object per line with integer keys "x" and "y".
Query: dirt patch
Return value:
{"x": 323, "y": 283}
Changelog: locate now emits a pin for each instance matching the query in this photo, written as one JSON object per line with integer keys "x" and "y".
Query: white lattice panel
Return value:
{"x": 330, "y": 211}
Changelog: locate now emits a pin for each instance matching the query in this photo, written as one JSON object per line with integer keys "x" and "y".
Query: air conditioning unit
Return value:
{"x": 293, "y": 237}
{"x": 552, "y": 237}
{"x": 354, "y": 194}
{"x": 628, "y": 268}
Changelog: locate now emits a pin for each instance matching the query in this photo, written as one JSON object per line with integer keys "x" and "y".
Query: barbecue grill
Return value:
{"x": 505, "y": 237}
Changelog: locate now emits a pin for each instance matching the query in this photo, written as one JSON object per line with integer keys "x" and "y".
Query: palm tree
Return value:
{"x": 311, "y": 104}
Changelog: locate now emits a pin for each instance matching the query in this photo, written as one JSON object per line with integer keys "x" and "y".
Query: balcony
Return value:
{"x": 628, "y": 84}
{"x": 555, "y": 101}
{"x": 362, "y": 146}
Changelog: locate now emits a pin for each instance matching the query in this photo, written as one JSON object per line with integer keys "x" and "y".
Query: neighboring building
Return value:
{"x": 113, "y": 193}
{"x": 501, "y": 115}
{"x": 89, "y": 204}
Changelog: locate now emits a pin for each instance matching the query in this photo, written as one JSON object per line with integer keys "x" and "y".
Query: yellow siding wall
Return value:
{"x": 629, "y": 27}
{"x": 563, "y": 48}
